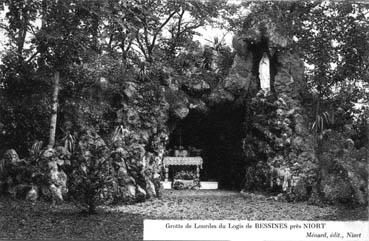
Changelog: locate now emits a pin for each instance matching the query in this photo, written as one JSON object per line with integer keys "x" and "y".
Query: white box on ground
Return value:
{"x": 166, "y": 184}
{"x": 208, "y": 185}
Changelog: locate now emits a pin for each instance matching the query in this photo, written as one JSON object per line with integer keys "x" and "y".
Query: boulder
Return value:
{"x": 62, "y": 152}
{"x": 140, "y": 194}
{"x": 292, "y": 64}
{"x": 297, "y": 142}
{"x": 58, "y": 182}
{"x": 198, "y": 105}
{"x": 283, "y": 83}
{"x": 240, "y": 78}
{"x": 300, "y": 129}
{"x": 252, "y": 35}
{"x": 158, "y": 186}
{"x": 276, "y": 39}
{"x": 253, "y": 196}
{"x": 131, "y": 188}
{"x": 56, "y": 193}
{"x": 10, "y": 157}
{"x": 150, "y": 189}
{"x": 19, "y": 191}
{"x": 32, "y": 194}
{"x": 130, "y": 90}
{"x": 199, "y": 85}
{"x": 221, "y": 95}
{"x": 132, "y": 116}
{"x": 240, "y": 45}
{"x": 280, "y": 198}
{"x": 59, "y": 178}
{"x": 48, "y": 153}
{"x": 178, "y": 102}
{"x": 181, "y": 111}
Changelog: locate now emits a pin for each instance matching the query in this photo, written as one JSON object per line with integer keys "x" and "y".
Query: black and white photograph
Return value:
{"x": 184, "y": 120}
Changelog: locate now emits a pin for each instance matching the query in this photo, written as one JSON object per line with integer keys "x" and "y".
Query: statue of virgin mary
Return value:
{"x": 264, "y": 72}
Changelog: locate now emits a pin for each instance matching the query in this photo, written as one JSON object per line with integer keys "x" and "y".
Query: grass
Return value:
{"x": 20, "y": 220}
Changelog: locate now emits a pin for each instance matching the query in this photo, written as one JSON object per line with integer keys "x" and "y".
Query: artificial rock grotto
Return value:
{"x": 267, "y": 145}
{"x": 241, "y": 125}
{"x": 251, "y": 126}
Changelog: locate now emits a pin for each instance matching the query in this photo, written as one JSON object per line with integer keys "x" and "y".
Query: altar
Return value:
{"x": 182, "y": 161}
{"x": 196, "y": 161}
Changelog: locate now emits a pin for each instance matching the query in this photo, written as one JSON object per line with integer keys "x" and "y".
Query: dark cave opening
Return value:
{"x": 218, "y": 133}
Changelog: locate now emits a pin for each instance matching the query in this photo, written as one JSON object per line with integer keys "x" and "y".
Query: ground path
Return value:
{"x": 215, "y": 204}
{"x": 19, "y": 220}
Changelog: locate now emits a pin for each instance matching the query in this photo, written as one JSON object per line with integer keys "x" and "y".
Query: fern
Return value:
{"x": 119, "y": 133}
{"x": 36, "y": 148}
{"x": 320, "y": 122}
{"x": 69, "y": 142}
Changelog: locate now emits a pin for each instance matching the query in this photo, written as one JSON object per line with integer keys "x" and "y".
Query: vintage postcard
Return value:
{"x": 184, "y": 120}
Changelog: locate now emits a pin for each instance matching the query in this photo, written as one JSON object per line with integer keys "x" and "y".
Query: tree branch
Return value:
{"x": 3, "y": 26}
{"x": 166, "y": 21}
{"x": 180, "y": 22}
{"x": 190, "y": 28}
{"x": 110, "y": 41}
{"x": 33, "y": 55}
{"x": 141, "y": 46}
{"x": 160, "y": 28}
{"x": 129, "y": 45}
{"x": 146, "y": 35}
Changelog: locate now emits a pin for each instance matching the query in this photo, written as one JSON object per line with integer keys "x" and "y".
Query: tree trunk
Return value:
{"x": 54, "y": 111}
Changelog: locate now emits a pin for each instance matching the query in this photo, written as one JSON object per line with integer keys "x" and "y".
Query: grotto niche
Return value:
{"x": 253, "y": 139}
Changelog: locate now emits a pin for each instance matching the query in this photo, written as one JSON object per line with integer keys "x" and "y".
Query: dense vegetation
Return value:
{"x": 120, "y": 75}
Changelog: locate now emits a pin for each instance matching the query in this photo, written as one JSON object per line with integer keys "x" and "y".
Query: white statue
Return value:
{"x": 264, "y": 73}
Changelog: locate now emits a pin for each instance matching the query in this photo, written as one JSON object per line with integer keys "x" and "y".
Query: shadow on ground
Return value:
{"x": 19, "y": 220}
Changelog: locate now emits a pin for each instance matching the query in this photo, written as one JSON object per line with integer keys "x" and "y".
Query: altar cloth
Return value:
{"x": 182, "y": 161}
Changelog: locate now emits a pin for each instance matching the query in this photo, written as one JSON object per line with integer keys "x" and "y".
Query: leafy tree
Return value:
{"x": 23, "y": 108}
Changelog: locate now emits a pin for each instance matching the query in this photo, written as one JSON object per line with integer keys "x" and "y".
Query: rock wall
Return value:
{"x": 277, "y": 139}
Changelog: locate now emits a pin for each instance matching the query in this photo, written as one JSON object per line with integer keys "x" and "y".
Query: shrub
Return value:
{"x": 257, "y": 177}
{"x": 91, "y": 174}
{"x": 344, "y": 171}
